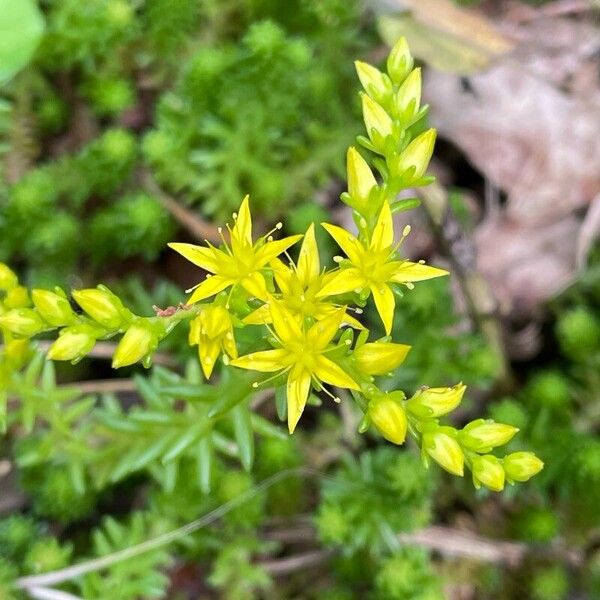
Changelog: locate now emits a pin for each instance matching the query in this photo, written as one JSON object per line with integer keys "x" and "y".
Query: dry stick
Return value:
{"x": 42, "y": 593}
{"x": 104, "y": 386}
{"x": 198, "y": 227}
{"x": 480, "y": 301}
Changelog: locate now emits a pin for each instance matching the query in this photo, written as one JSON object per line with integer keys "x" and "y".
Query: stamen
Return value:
{"x": 257, "y": 384}
{"x": 193, "y": 288}
{"x": 410, "y": 285}
{"x": 338, "y": 259}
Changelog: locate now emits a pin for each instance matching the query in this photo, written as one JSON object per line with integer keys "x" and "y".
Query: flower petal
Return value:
{"x": 308, "y": 261}
{"x": 328, "y": 372}
{"x": 322, "y": 332}
{"x": 323, "y": 310}
{"x": 286, "y": 326}
{"x": 208, "y": 351}
{"x": 199, "y": 255}
{"x": 383, "y": 233}
{"x": 266, "y": 361}
{"x": 270, "y": 250}
{"x": 345, "y": 280}
{"x": 209, "y": 287}
{"x": 255, "y": 284}
{"x": 261, "y": 316}
{"x": 298, "y": 388}
{"x": 385, "y": 303}
{"x": 283, "y": 275}
{"x": 346, "y": 241}
{"x": 242, "y": 230}
{"x": 380, "y": 358}
{"x": 410, "y": 271}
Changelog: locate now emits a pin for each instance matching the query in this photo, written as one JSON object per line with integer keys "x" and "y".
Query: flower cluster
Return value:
{"x": 306, "y": 334}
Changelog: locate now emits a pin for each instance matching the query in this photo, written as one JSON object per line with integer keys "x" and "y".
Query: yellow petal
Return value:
{"x": 308, "y": 261}
{"x": 261, "y": 316}
{"x": 298, "y": 388}
{"x": 410, "y": 271}
{"x": 323, "y": 310}
{"x": 208, "y": 352}
{"x": 266, "y": 361}
{"x": 345, "y": 280}
{"x": 199, "y": 255}
{"x": 242, "y": 230}
{"x": 380, "y": 358}
{"x": 270, "y": 250}
{"x": 328, "y": 372}
{"x": 383, "y": 233}
{"x": 286, "y": 326}
{"x": 283, "y": 275}
{"x": 360, "y": 177}
{"x": 322, "y": 332}
{"x": 255, "y": 284}
{"x": 385, "y": 303}
{"x": 346, "y": 241}
{"x": 209, "y": 287}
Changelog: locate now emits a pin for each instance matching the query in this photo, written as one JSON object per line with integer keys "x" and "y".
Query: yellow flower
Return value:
{"x": 238, "y": 264}
{"x": 301, "y": 356}
{"x": 299, "y": 287}
{"x": 212, "y": 330}
{"x": 372, "y": 266}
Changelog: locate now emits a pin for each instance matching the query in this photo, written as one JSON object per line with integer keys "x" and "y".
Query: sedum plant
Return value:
{"x": 264, "y": 321}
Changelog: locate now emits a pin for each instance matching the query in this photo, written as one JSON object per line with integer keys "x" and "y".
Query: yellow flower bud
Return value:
{"x": 435, "y": 402}
{"x": 380, "y": 358}
{"x": 24, "y": 322}
{"x": 360, "y": 178}
{"x": 53, "y": 308}
{"x": 416, "y": 156}
{"x": 488, "y": 471}
{"x": 408, "y": 97}
{"x": 17, "y": 351}
{"x": 17, "y": 297}
{"x": 400, "y": 61}
{"x": 139, "y": 340}
{"x": 8, "y": 279}
{"x": 377, "y": 121}
{"x": 389, "y": 417}
{"x": 73, "y": 343}
{"x": 521, "y": 466}
{"x": 103, "y": 306}
{"x": 482, "y": 436}
{"x": 442, "y": 446}
{"x": 374, "y": 82}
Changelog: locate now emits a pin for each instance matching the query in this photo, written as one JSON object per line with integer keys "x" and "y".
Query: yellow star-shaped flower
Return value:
{"x": 373, "y": 267}
{"x": 238, "y": 264}
{"x": 299, "y": 287}
{"x": 302, "y": 356}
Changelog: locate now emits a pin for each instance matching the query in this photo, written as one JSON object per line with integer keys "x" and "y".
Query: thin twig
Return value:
{"x": 104, "y": 386}
{"x": 298, "y": 562}
{"x": 43, "y": 593}
{"x": 198, "y": 227}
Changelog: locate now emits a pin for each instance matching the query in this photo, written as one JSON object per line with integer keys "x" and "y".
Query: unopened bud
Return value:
{"x": 53, "y": 308}
{"x": 73, "y": 343}
{"x": 379, "y": 358}
{"x": 482, "y": 435}
{"x": 415, "y": 158}
{"x": 360, "y": 178}
{"x": 387, "y": 414}
{"x": 400, "y": 61}
{"x": 435, "y": 402}
{"x": 23, "y": 322}
{"x": 103, "y": 307}
{"x": 377, "y": 121}
{"x": 139, "y": 340}
{"x": 17, "y": 297}
{"x": 441, "y": 445}
{"x": 488, "y": 471}
{"x": 521, "y": 466}
{"x": 8, "y": 279}
{"x": 374, "y": 82}
{"x": 408, "y": 97}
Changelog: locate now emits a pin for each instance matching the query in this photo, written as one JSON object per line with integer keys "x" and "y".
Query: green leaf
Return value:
{"x": 244, "y": 436}
{"x": 21, "y": 27}
{"x": 204, "y": 460}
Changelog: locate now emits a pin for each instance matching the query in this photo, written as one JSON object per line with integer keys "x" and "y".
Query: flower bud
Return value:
{"x": 380, "y": 358}
{"x": 8, "y": 279}
{"x": 415, "y": 158}
{"x": 53, "y": 308}
{"x": 73, "y": 343}
{"x": 521, "y": 466}
{"x": 22, "y": 321}
{"x": 399, "y": 62}
{"x": 482, "y": 435}
{"x": 103, "y": 306}
{"x": 17, "y": 297}
{"x": 387, "y": 414}
{"x": 408, "y": 97}
{"x": 360, "y": 178}
{"x": 17, "y": 351}
{"x": 139, "y": 341}
{"x": 488, "y": 471}
{"x": 374, "y": 82}
{"x": 441, "y": 445}
{"x": 377, "y": 121}
{"x": 435, "y": 402}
